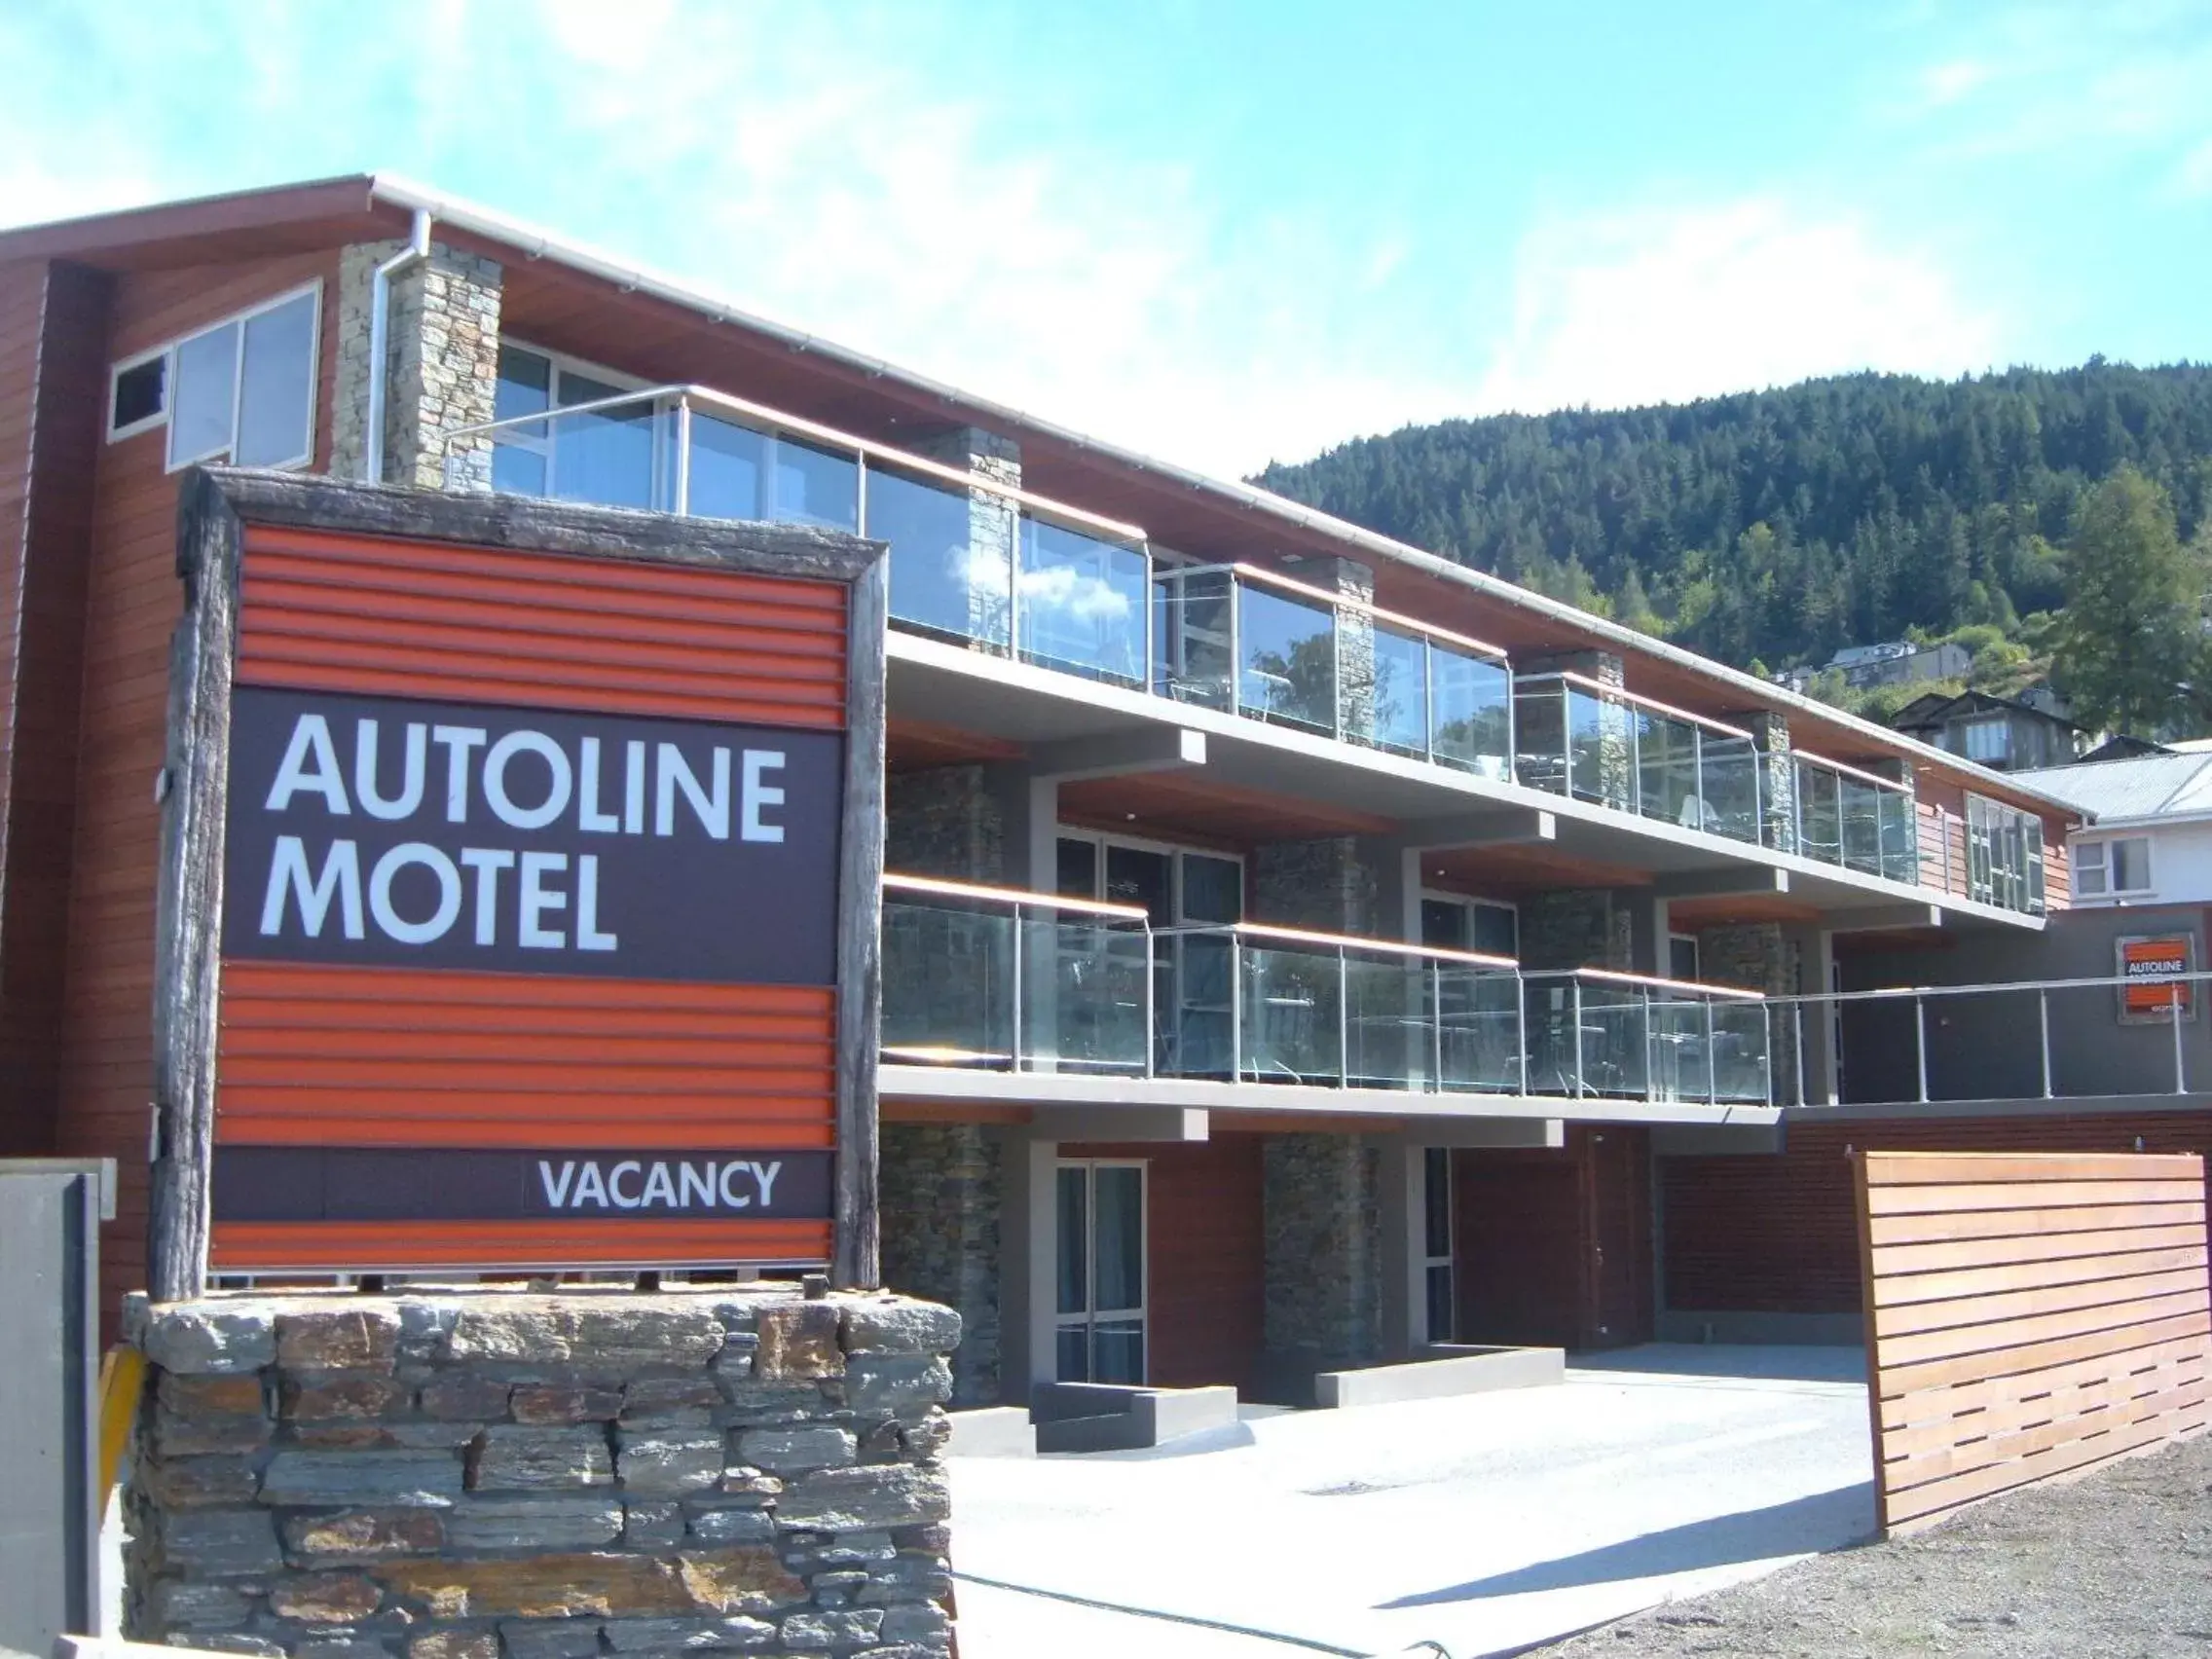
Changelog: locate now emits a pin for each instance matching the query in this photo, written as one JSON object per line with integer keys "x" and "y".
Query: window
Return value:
{"x": 1986, "y": 740}
{"x": 1449, "y": 922}
{"x": 1436, "y": 1242}
{"x": 2109, "y": 868}
{"x": 241, "y": 392}
{"x": 625, "y": 454}
{"x": 1102, "y": 1239}
{"x": 2004, "y": 857}
{"x": 1681, "y": 957}
{"x": 1193, "y": 1020}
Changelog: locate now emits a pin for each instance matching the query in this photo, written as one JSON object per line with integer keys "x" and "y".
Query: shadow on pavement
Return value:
{"x": 1804, "y": 1526}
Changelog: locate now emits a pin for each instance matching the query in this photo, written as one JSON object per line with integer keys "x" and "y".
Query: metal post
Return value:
{"x": 860, "y": 486}
{"x": 1711, "y": 1059}
{"x": 1697, "y": 771}
{"x": 1566, "y": 734}
{"x": 1576, "y": 1016}
{"x": 1018, "y": 970}
{"x": 1797, "y": 1013}
{"x": 1344, "y": 1018}
{"x": 1151, "y": 1006}
{"x": 2043, "y": 1023}
{"x": 1436, "y": 1025}
{"x": 1337, "y": 670}
{"x": 1521, "y": 1026}
{"x": 1429, "y": 699}
{"x": 1920, "y": 1042}
{"x": 1148, "y": 671}
{"x": 2173, "y": 1015}
{"x": 683, "y": 455}
{"x": 1235, "y": 1002}
{"x": 1236, "y": 642}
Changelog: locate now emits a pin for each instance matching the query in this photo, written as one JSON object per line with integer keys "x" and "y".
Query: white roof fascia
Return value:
{"x": 404, "y": 193}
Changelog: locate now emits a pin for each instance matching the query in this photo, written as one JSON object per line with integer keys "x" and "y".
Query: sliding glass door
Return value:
{"x": 1101, "y": 1272}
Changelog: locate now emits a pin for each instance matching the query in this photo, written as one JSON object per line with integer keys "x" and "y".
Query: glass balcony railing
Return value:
{"x": 971, "y": 561}
{"x": 1245, "y": 641}
{"x": 1856, "y": 820}
{"x": 994, "y": 979}
{"x": 993, "y": 568}
{"x": 1254, "y": 1004}
{"x": 1628, "y": 1036}
{"x": 1590, "y": 742}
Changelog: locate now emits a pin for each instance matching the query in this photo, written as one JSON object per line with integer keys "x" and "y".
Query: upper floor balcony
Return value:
{"x": 985, "y": 567}
{"x": 1002, "y": 981}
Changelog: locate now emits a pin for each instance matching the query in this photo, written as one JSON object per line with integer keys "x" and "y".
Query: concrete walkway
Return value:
{"x": 1482, "y": 1524}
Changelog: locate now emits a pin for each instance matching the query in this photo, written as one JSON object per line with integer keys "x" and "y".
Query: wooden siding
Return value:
{"x": 1779, "y": 1235}
{"x": 133, "y": 602}
{"x": 2030, "y": 1315}
{"x": 307, "y": 1058}
{"x": 1553, "y": 1248}
{"x": 53, "y": 382}
{"x": 360, "y": 615}
{"x": 1205, "y": 1243}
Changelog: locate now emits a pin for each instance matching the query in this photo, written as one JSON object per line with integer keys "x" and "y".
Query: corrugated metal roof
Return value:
{"x": 2148, "y": 786}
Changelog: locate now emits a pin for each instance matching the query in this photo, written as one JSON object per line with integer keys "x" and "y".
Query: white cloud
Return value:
{"x": 803, "y": 162}
{"x": 1665, "y": 305}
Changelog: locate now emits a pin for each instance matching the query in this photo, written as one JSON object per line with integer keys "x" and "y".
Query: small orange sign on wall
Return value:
{"x": 2151, "y": 967}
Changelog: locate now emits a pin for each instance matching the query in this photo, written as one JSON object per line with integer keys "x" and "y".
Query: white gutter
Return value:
{"x": 538, "y": 243}
{"x": 417, "y": 250}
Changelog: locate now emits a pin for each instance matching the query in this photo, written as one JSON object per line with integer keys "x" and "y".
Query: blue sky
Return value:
{"x": 1229, "y": 232}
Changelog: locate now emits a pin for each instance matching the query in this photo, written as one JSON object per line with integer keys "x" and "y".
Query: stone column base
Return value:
{"x": 508, "y": 1475}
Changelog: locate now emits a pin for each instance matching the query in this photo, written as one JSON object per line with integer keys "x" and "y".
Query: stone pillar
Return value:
{"x": 441, "y": 365}
{"x": 1778, "y": 778}
{"x": 1811, "y": 948}
{"x": 1759, "y": 956}
{"x": 945, "y": 821}
{"x": 1324, "y": 884}
{"x": 1615, "y": 782}
{"x": 481, "y": 1473}
{"x": 940, "y": 1192}
{"x": 993, "y": 530}
{"x": 1321, "y": 1198}
{"x": 1577, "y": 927}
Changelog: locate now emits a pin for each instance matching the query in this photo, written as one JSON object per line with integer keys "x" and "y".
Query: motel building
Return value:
{"x": 1299, "y": 951}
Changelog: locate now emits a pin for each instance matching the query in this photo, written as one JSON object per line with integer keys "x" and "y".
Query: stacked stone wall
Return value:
{"x": 1323, "y": 1256}
{"x": 505, "y": 1475}
{"x": 941, "y": 1187}
{"x": 441, "y": 363}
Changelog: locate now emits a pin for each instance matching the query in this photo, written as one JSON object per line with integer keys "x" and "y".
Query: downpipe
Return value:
{"x": 417, "y": 250}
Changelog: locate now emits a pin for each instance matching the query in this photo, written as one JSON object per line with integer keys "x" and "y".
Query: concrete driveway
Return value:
{"x": 1482, "y": 1524}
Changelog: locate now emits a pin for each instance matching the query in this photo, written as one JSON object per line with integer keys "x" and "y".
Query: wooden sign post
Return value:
{"x": 520, "y": 889}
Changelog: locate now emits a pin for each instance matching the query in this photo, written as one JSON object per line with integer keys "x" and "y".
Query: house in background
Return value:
{"x": 2005, "y": 734}
{"x": 2151, "y": 839}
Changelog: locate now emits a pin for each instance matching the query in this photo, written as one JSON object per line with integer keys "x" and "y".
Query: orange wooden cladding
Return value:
{"x": 351, "y": 1247}
{"x": 402, "y": 618}
{"x": 2030, "y": 1315}
{"x": 328, "y": 1056}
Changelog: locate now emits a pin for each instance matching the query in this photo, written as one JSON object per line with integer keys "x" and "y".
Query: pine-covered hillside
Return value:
{"x": 1774, "y": 526}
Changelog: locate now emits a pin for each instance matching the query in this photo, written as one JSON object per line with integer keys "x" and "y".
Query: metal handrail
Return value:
{"x": 775, "y": 420}
{"x": 2170, "y": 1013}
{"x": 1649, "y": 981}
{"x": 1621, "y": 694}
{"x": 1012, "y": 897}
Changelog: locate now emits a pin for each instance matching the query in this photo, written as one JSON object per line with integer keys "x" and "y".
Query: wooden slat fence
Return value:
{"x": 2028, "y": 1316}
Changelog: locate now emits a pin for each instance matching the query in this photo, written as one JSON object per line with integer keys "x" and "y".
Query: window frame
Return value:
{"x": 1997, "y": 724}
{"x": 311, "y": 289}
{"x": 123, "y": 366}
{"x": 559, "y": 363}
{"x": 1091, "y": 1314}
{"x": 1447, "y": 1264}
{"x": 1468, "y": 901}
{"x": 2106, "y": 869}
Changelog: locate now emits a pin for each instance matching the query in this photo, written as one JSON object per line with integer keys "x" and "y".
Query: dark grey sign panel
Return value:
{"x": 272, "y": 1183}
{"x": 430, "y": 834}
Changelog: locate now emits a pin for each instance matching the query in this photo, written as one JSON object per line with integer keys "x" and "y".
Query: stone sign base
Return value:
{"x": 489, "y": 1474}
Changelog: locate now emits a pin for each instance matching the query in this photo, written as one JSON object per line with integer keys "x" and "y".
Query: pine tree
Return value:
{"x": 2131, "y": 639}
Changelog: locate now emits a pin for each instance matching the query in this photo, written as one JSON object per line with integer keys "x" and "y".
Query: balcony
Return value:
{"x": 996, "y": 979}
{"x": 991, "y": 569}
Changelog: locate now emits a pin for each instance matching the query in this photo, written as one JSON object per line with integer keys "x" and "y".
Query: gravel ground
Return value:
{"x": 2115, "y": 1566}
